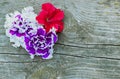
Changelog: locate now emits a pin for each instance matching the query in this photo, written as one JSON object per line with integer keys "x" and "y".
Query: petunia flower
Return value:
{"x": 18, "y": 24}
{"x": 41, "y": 43}
{"x": 51, "y": 17}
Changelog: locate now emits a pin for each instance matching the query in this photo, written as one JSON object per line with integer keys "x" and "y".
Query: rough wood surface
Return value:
{"x": 88, "y": 48}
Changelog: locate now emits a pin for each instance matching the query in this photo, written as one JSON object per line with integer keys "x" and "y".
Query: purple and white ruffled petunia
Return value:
{"x": 18, "y": 24}
{"x": 41, "y": 43}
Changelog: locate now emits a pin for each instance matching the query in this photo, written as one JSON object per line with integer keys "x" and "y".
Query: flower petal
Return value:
{"x": 42, "y": 52}
{"x": 20, "y": 34}
{"x": 26, "y": 39}
{"x": 47, "y": 27}
{"x": 49, "y": 41}
{"x": 52, "y": 35}
{"x": 58, "y": 15}
{"x": 59, "y": 26}
{"x": 46, "y": 55}
{"x": 55, "y": 38}
{"x": 12, "y": 32}
{"x": 29, "y": 47}
{"x": 41, "y": 31}
{"x": 48, "y": 7}
{"x": 41, "y": 18}
{"x": 31, "y": 50}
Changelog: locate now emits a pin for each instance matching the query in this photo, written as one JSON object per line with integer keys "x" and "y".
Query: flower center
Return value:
{"x": 47, "y": 20}
{"x": 38, "y": 43}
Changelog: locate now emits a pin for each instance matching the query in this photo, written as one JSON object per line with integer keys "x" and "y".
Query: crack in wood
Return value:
{"x": 34, "y": 61}
{"x": 78, "y": 46}
{"x": 85, "y": 56}
{"x": 77, "y": 56}
{"x": 18, "y": 62}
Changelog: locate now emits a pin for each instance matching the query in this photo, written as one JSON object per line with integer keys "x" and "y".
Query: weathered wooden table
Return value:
{"x": 88, "y": 48}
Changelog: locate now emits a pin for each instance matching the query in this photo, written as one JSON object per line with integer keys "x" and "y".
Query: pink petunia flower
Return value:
{"x": 51, "y": 17}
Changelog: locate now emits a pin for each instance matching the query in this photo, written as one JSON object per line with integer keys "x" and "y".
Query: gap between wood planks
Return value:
{"x": 87, "y": 45}
{"x": 78, "y": 56}
{"x": 35, "y": 61}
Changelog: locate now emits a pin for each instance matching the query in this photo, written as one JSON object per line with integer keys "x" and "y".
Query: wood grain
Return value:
{"x": 88, "y": 48}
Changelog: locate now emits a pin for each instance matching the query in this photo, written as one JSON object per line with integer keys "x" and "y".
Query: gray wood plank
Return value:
{"x": 91, "y": 22}
{"x": 62, "y": 67}
{"x": 88, "y": 48}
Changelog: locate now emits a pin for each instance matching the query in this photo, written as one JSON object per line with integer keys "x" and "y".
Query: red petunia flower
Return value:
{"x": 51, "y": 17}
